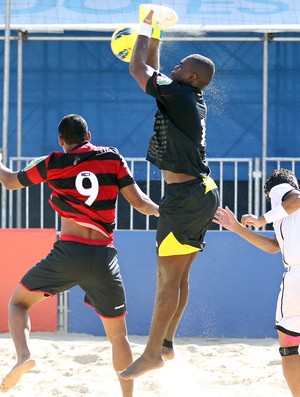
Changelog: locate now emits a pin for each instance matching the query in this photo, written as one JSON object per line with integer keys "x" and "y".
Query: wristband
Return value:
{"x": 157, "y": 33}
{"x": 145, "y": 30}
{"x": 275, "y": 214}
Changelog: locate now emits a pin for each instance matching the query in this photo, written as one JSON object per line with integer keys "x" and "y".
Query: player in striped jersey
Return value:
{"x": 85, "y": 181}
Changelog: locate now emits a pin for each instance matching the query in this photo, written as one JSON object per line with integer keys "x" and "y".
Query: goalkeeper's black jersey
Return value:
{"x": 178, "y": 143}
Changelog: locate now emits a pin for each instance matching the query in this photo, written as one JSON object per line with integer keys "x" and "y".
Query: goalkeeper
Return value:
{"x": 191, "y": 198}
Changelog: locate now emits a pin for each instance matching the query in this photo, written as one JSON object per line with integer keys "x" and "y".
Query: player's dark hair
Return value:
{"x": 205, "y": 69}
{"x": 278, "y": 176}
{"x": 73, "y": 129}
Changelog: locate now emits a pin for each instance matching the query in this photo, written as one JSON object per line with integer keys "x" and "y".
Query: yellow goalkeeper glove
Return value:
{"x": 160, "y": 17}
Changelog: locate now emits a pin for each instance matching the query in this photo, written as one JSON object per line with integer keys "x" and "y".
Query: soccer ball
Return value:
{"x": 122, "y": 43}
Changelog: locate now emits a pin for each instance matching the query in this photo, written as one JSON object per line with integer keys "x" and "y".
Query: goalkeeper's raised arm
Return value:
{"x": 145, "y": 58}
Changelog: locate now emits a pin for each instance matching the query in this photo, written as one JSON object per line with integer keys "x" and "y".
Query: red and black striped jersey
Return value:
{"x": 85, "y": 183}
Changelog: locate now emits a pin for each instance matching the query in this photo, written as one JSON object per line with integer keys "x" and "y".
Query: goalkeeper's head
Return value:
{"x": 196, "y": 70}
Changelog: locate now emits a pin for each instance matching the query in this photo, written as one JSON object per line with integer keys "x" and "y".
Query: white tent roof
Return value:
{"x": 194, "y": 15}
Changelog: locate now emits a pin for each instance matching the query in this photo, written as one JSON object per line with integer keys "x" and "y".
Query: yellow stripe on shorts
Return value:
{"x": 210, "y": 184}
{"x": 171, "y": 246}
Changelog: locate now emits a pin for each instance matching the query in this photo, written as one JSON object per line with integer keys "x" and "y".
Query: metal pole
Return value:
{"x": 257, "y": 184}
{"x": 5, "y": 106}
{"x": 19, "y": 119}
{"x": 265, "y": 114}
{"x": 19, "y": 94}
{"x": 265, "y": 96}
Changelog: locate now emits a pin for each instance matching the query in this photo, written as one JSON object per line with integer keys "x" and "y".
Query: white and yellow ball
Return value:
{"x": 122, "y": 42}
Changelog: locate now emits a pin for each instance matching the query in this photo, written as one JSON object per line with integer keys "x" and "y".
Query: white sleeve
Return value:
{"x": 278, "y": 191}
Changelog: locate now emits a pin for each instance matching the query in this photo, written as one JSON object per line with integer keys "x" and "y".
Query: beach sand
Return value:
{"x": 79, "y": 365}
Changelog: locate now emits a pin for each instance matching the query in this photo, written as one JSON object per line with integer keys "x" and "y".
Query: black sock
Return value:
{"x": 168, "y": 343}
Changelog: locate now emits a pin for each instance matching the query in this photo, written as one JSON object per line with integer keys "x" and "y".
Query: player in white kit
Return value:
{"x": 282, "y": 189}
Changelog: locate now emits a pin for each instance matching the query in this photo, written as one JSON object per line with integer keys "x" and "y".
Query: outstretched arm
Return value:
{"x": 226, "y": 218}
{"x": 145, "y": 54}
{"x": 153, "y": 54}
{"x": 8, "y": 178}
{"x": 139, "y": 200}
{"x": 290, "y": 204}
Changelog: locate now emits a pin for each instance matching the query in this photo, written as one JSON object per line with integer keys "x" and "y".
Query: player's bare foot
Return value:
{"x": 12, "y": 378}
{"x": 140, "y": 367}
{"x": 167, "y": 353}
{"x": 167, "y": 350}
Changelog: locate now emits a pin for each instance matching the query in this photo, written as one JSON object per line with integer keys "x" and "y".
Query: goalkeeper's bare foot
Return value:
{"x": 140, "y": 367}
{"x": 13, "y": 377}
{"x": 167, "y": 353}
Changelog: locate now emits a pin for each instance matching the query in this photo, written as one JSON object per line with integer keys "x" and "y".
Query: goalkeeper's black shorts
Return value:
{"x": 186, "y": 212}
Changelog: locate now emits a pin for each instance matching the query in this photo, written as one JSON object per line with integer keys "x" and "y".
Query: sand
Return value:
{"x": 79, "y": 365}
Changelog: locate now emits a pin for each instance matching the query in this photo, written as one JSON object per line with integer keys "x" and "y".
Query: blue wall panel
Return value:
{"x": 233, "y": 289}
{"x": 61, "y": 77}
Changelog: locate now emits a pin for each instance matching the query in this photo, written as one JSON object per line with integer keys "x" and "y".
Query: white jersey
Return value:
{"x": 287, "y": 230}
{"x": 288, "y": 235}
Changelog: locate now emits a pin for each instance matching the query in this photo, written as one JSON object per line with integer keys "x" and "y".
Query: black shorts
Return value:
{"x": 186, "y": 212}
{"x": 94, "y": 268}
